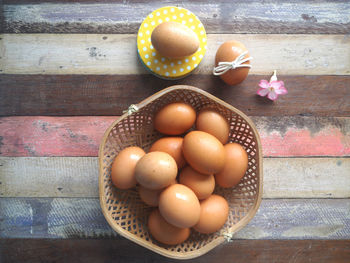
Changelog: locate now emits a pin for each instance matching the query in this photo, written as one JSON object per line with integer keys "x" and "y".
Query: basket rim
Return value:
{"x": 206, "y": 248}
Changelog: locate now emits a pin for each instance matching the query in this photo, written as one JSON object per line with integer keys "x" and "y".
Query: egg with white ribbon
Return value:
{"x": 232, "y": 62}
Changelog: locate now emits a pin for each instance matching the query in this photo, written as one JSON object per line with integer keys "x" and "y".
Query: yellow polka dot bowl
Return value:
{"x": 163, "y": 67}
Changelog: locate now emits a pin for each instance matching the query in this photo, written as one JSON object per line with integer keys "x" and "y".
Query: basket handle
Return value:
{"x": 132, "y": 108}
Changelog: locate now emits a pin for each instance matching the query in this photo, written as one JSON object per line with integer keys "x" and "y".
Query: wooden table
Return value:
{"x": 69, "y": 68}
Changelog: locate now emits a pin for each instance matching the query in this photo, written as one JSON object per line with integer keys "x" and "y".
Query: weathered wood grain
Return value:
{"x": 49, "y": 177}
{"x": 113, "y": 17}
{"x": 304, "y": 136}
{"x": 116, "y": 54}
{"x": 306, "y": 177}
{"x": 53, "y": 136}
{"x": 82, "y": 218}
{"x": 81, "y": 136}
{"x": 111, "y": 250}
{"x": 78, "y": 177}
{"x": 62, "y": 95}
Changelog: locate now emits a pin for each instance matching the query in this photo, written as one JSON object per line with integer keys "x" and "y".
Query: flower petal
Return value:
{"x": 276, "y": 84}
{"x": 262, "y": 92}
{"x": 272, "y": 95}
{"x": 281, "y": 91}
{"x": 264, "y": 84}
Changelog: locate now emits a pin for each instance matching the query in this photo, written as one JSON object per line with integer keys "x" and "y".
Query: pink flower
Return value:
{"x": 272, "y": 89}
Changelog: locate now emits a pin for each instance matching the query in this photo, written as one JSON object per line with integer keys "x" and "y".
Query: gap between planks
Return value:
{"x": 82, "y": 218}
{"x": 80, "y": 136}
{"x": 78, "y": 177}
{"x": 279, "y": 17}
{"x": 116, "y": 54}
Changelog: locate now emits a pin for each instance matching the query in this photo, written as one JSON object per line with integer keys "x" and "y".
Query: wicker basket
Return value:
{"x": 124, "y": 210}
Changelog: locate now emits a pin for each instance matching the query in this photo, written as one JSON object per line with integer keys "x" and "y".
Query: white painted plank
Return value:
{"x": 306, "y": 177}
{"x": 49, "y": 177}
{"x": 92, "y": 54}
{"x": 78, "y": 177}
{"x": 82, "y": 218}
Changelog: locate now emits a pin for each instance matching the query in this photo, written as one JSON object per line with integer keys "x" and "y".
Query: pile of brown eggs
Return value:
{"x": 178, "y": 174}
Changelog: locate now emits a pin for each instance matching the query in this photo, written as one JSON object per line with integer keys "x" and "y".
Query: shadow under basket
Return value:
{"x": 124, "y": 210}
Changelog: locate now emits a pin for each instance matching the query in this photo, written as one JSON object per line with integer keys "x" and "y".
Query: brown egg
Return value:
{"x": 179, "y": 206}
{"x": 148, "y": 196}
{"x": 172, "y": 146}
{"x": 151, "y": 197}
{"x": 235, "y": 167}
{"x": 175, "y": 118}
{"x": 123, "y": 167}
{"x": 201, "y": 184}
{"x": 164, "y": 232}
{"x": 214, "y": 213}
{"x": 156, "y": 170}
{"x": 204, "y": 152}
{"x": 174, "y": 40}
{"x": 228, "y": 52}
{"x": 212, "y": 122}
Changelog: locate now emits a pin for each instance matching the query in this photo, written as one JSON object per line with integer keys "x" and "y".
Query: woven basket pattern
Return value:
{"x": 124, "y": 208}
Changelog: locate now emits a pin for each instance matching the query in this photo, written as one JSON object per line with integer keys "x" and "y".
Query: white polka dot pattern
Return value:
{"x": 166, "y": 67}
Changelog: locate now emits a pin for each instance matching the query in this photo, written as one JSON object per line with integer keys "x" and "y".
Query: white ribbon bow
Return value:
{"x": 223, "y": 67}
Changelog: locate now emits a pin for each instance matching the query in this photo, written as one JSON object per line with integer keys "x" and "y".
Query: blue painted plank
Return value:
{"x": 82, "y": 218}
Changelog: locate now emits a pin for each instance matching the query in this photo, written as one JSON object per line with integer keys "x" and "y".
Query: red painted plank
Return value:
{"x": 300, "y": 142}
{"x": 52, "y": 136}
{"x": 80, "y": 136}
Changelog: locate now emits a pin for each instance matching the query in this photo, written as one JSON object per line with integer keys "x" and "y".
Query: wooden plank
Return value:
{"x": 111, "y": 250}
{"x": 116, "y": 54}
{"x": 61, "y": 95}
{"x": 304, "y": 136}
{"x": 306, "y": 177}
{"x": 49, "y": 177}
{"x": 281, "y": 136}
{"x": 82, "y": 218}
{"x": 113, "y": 17}
{"x": 52, "y": 136}
{"x": 78, "y": 177}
